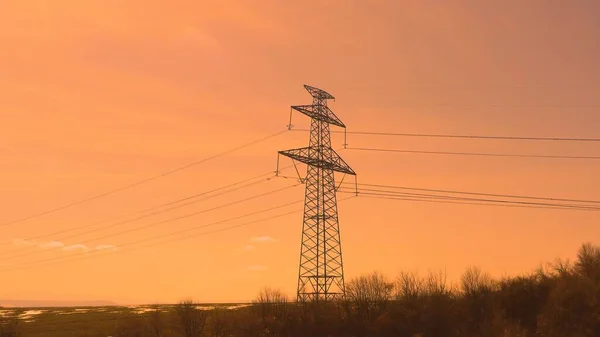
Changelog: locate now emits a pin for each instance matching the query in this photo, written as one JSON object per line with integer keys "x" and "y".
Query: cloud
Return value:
{"x": 263, "y": 239}
{"x": 61, "y": 245}
{"x": 23, "y": 242}
{"x": 78, "y": 246}
{"x": 111, "y": 248}
{"x": 52, "y": 244}
{"x": 257, "y": 268}
{"x": 257, "y": 240}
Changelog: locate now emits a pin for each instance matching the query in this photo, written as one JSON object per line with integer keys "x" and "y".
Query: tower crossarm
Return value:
{"x": 318, "y": 93}
{"x": 310, "y": 156}
{"x": 319, "y": 112}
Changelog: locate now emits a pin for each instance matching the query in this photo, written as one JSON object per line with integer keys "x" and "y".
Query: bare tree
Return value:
{"x": 477, "y": 288}
{"x": 155, "y": 321}
{"x": 269, "y": 295}
{"x": 273, "y": 306}
{"x": 407, "y": 286}
{"x": 192, "y": 319}
{"x": 436, "y": 284}
{"x": 588, "y": 261}
{"x": 561, "y": 267}
{"x": 218, "y": 322}
{"x": 474, "y": 281}
{"x": 369, "y": 294}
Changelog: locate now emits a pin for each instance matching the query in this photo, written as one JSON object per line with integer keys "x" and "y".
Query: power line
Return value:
{"x": 226, "y": 228}
{"x": 150, "y": 209}
{"x": 485, "y": 86}
{"x": 381, "y": 193}
{"x": 396, "y": 187}
{"x": 160, "y": 222}
{"x": 137, "y": 218}
{"x": 155, "y": 207}
{"x": 88, "y": 255}
{"x": 431, "y": 135}
{"x": 140, "y": 182}
{"x": 549, "y": 106}
{"x": 405, "y": 196}
{"x": 479, "y": 193}
{"x": 473, "y": 153}
{"x": 454, "y": 202}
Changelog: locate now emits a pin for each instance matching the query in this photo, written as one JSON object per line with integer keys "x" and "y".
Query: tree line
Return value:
{"x": 559, "y": 299}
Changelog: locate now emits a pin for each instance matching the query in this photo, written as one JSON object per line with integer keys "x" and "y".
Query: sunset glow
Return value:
{"x": 100, "y": 94}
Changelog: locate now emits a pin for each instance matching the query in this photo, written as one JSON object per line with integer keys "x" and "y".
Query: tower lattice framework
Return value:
{"x": 321, "y": 272}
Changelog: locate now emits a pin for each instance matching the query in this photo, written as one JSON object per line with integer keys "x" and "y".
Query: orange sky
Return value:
{"x": 97, "y": 94}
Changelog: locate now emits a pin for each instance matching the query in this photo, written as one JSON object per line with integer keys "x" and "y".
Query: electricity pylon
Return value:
{"x": 321, "y": 274}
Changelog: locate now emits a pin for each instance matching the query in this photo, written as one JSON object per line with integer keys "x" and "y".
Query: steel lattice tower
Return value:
{"x": 321, "y": 274}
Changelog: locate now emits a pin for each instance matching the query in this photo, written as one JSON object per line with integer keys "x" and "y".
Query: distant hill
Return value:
{"x": 50, "y": 303}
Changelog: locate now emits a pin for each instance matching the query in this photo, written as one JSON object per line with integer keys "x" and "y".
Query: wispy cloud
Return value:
{"x": 257, "y": 240}
{"x": 263, "y": 239}
{"x": 257, "y": 267}
{"x": 61, "y": 245}
{"x": 52, "y": 244}
{"x": 23, "y": 242}
{"x": 111, "y": 248}
{"x": 78, "y": 246}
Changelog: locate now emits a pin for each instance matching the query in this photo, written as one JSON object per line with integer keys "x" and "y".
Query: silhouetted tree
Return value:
{"x": 559, "y": 299}
{"x": 155, "y": 321}
{"x": 191, "y": 318}
{"x": 521, "y": 299}
{"x": 436, "y": 284}
{"x": 369, "y": 295}
{"x": 477, "y": 288}
{"x": 273, "y": 308}
{"x": 571, "y": 309}
{"x": 561, "y": 267}
{"x": 588, "y": 261}
{"x": 219, "y": 322}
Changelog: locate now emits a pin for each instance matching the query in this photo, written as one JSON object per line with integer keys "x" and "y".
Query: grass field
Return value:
{"x": 90, "y": 321}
